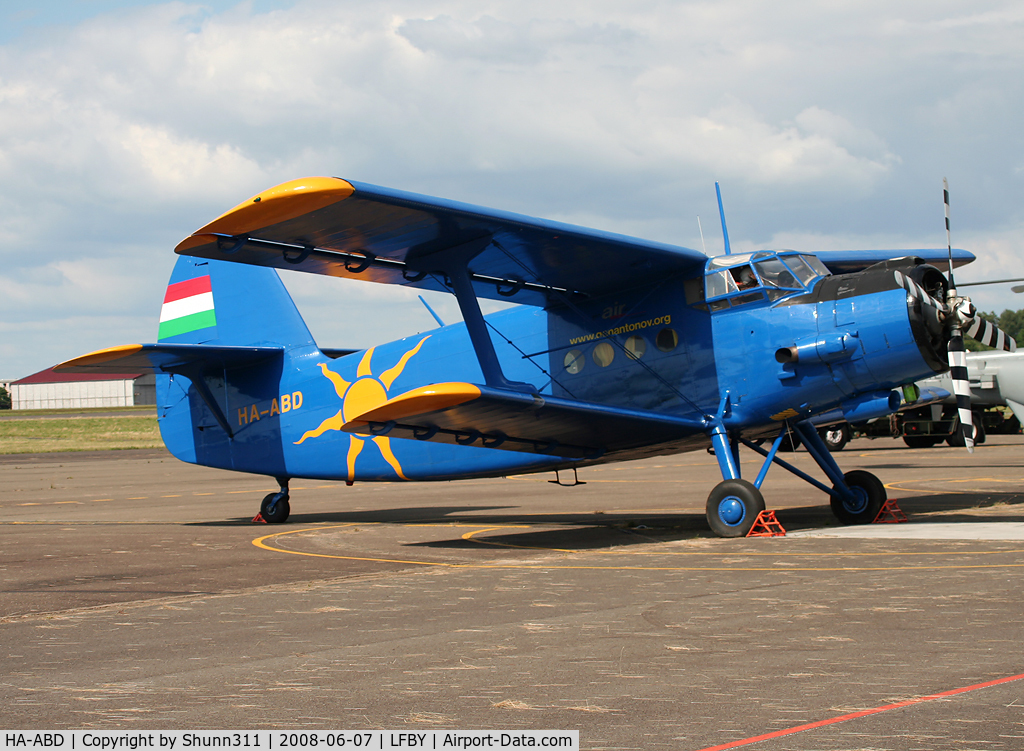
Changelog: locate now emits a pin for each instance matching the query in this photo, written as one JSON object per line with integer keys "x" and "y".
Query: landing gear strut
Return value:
{"x": 734, "y": 504}
{"x": 275, "y": 508}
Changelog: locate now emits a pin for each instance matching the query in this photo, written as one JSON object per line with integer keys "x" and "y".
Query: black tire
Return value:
{"x": 922, "y": 441}
{"x": 835, "y": 436}
{"x": 733, "y": 507}
{"x": 791, "y": 442}
{"x": 956, "y": 439}
{"x": 275, "y": 508}
{"x": 869, "y": 498}
{"x": 979, "y": 429}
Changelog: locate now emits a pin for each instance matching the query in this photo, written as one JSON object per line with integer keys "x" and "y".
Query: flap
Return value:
{"x": 471, "y": 415}
{"x": 325, "y": 225}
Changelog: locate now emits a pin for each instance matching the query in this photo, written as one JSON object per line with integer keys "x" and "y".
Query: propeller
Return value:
{"x": 960, "y": 315}
{"x": 949, "y": 315}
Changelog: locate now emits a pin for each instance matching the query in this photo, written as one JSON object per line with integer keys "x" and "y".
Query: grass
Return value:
{"x": 79, "y": 433}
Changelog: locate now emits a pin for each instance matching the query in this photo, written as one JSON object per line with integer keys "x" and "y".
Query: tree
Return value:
{"x": 5, "y": 398}
{"x": 1010, "y": 321}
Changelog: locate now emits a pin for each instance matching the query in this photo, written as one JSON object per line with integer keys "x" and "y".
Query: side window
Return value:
{"x": 744, "y": 276}
{"x": 666, "y": 340}
{"x": 720, "y": 283}
{"x": 635, "y": 347}
{"x": 574, "y": 361}
{"x": 603, "y": 354}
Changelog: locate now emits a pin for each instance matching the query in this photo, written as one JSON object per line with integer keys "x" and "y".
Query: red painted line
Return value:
{"x": 864, "y": 713}
{"x": 188, "y": 288}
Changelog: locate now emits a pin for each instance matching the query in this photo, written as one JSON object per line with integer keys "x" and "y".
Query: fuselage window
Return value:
{"x": 635, "y": 347}
{"x": 666, "y": 340}
{"x": 574, "y": 361}
{"x": 604, "y": 353}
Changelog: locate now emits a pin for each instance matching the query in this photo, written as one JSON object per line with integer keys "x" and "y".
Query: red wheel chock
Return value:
{"x": 258, "y": 519}
{"x": 890, "y": 513}
{"x": 766, "y": 525}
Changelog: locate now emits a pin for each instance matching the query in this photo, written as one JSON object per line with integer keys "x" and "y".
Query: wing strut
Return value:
{"x": 454, "y": 263}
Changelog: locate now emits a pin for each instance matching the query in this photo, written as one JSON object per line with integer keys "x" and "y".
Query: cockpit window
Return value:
{"x": 799, "y": 267}
{"x": 815, "y": 263}
{"x": 731, "y": 280}
{"x": 744, "y": 276}
{"x": 720, "y": 283}
{"x": 774, "y": 273}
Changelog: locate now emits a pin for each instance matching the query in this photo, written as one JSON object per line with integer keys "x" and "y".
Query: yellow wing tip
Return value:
{"x": 279, "y": 204}
{"x": 99, "y": 357}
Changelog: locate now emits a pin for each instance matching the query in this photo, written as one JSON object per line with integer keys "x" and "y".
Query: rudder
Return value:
{"x": 219, "y": 302}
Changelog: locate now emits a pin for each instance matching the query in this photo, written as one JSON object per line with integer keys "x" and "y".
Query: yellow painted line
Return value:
{"x": 173, "y": 495}
{"x": 61, "y": 503}
{"x": 204, "y": 494}
{"x": 30, "y": 504}
{"x": 261, "y": 542}
{"x": 139, "y": 498}
{"x": 101, "y": 500}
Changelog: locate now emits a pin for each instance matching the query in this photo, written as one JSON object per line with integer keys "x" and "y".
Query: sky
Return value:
{"x": 125, "y": 126}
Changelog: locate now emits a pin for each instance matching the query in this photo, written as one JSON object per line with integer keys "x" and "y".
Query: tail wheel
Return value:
{"x": 733, "y": 507}
{"x": 275, "y": 508}
{"x": 868, "y": 498}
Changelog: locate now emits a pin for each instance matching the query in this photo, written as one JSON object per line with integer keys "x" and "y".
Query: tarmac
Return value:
{"x": 138, "y": 594}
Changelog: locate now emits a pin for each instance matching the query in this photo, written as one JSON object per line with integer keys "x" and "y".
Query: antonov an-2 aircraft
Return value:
{"x": 619, "y": 348}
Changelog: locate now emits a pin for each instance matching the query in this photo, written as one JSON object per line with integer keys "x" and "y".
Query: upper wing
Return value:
{"x": 325, "y": 225}
{"x": 472, "y": 415}
{"x": 849, "y": 261}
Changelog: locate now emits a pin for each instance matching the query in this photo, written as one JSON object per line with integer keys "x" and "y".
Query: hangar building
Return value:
{"x": 49, "y": 390}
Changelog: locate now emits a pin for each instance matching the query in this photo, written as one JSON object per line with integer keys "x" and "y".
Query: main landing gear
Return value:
{"x": 734, "y": 504}
{"x": 275, "y": 508}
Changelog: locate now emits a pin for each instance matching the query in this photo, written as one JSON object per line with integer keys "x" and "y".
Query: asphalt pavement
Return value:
{"x": 138, "y": 594}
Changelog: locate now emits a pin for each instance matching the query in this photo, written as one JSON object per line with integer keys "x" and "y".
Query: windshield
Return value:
{"x": 774, "y": 273}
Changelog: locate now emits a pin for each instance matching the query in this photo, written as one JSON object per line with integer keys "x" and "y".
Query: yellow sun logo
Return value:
{"x": 365, "y": 393}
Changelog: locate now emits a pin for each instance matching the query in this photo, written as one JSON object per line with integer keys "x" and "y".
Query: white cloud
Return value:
{"x": 123, "y": 133}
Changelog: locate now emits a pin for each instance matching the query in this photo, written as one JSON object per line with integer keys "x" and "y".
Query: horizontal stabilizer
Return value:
{"x": 470, "y": 415}
{"x": 167, "y": 358}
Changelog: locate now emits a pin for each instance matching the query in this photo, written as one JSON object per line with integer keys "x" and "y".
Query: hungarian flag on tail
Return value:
{"x": 188, "y": 306}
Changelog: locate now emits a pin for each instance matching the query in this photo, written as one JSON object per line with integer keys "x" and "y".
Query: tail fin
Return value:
{"x": 223, "y": 303}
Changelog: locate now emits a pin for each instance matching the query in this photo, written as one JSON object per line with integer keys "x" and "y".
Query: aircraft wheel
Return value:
{"x": 868, "y": 498}
{"x": 791, "y": 442}
{"x": 922, "y": 441}
{"x": 275, "y": 508}
{"x": 835, "y": 436}
{"x": 733, "y": 507}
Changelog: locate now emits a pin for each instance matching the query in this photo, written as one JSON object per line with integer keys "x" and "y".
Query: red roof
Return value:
{"x": 49, "y": 376}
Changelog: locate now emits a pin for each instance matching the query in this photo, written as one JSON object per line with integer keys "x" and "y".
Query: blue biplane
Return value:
{"x": 619, "y": 348}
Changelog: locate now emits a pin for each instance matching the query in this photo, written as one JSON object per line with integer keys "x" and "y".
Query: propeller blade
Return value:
{"x": 961, "y": 386}
{"x": 991, "y": 335}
